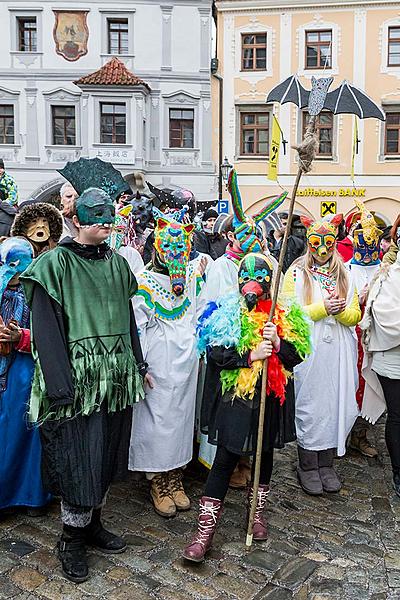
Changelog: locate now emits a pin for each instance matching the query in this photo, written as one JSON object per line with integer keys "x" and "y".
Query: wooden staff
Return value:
{"x": 306, "y": 152}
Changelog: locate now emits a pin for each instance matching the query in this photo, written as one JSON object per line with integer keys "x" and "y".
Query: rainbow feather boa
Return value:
{"x": 229, "y": 323}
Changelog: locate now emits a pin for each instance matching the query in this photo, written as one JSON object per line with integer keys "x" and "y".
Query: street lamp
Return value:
{"x": 226, "y": 168}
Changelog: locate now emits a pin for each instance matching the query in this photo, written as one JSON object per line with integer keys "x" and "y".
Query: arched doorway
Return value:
{"x": 49, "y": 192}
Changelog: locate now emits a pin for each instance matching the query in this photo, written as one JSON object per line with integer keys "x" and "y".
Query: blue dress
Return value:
{"x": 20, "y": 448}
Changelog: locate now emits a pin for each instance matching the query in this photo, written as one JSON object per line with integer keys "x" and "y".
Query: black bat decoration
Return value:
{"x": 346, "y": 99}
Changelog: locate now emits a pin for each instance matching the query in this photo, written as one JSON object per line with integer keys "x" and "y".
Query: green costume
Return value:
{"x": 97, "y": 329}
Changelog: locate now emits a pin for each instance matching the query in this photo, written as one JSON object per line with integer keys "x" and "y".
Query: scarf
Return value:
{"x": 235, "y": 257}
{"x": 13, "y": 306}
{"x": 231, "y": 324}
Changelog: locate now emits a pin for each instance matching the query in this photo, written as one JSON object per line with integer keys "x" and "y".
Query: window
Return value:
{"x": 27, "y": 34}
{"x": 112, "y": 123}
{"x": 254, "y": 51}
{"x": 392, "y": 133}
{"x": 6, "y": 124}
{"x": 324, "y": 131}
{"x": 394, "y": 47}
{"x": 254, "y": 133}
{"x": 181, "y": 128}
{"x": 318, "y": 49}
{"x": 118, "y": 42}
{"x": 63, "y": 125}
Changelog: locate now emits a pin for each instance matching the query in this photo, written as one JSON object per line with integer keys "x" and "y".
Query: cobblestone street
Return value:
{"x": 341, "y": 546}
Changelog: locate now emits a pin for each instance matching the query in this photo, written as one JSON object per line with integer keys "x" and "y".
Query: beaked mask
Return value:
{"x": 255, "y": 277}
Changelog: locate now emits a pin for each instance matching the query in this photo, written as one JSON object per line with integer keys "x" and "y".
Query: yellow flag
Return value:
{"x": 274, "y": 146}
{"x": 355, "y": 142}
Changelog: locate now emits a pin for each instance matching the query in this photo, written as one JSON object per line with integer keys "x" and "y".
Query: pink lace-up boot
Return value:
{"x": 209, "y": 512}
{"x": 260, "y": 531}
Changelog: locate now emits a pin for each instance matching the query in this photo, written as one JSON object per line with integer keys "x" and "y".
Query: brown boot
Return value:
{"x": 359, "y": 442}
{"x": 177, "y": 491}
{"x": 260, "y": 531}
{"x": 241, "y": 476}
{"x": 160, "y": 494}
{"x": 210, "y": 510}
{"x": 329, "y": 478}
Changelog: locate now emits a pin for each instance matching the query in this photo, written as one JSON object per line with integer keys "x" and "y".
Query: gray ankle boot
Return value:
{"x": 308, "y": 472}
{"x": 328, "y": 475}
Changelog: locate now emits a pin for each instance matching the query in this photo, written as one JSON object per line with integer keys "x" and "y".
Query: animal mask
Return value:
{"x": 246, "y": 227}
{"x": 38, "y": 230}
{"x": 95, "y": 207}
{"x": 173, "y": 244}
{"x": 321, "y": 235}
{"x": 141, "y": 213}
{"x": 366, "y": 238}
{"x": 16, "y": 254}
{"x": 254, "y": 276}
{"x": 119, "y": 228}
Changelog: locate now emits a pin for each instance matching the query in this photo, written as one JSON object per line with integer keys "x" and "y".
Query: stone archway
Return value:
{"x": 49, "y": 192}
{"x": 384, "y": 208}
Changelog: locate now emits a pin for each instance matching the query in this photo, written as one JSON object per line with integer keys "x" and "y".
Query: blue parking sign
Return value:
{"x": 223, "y": 207}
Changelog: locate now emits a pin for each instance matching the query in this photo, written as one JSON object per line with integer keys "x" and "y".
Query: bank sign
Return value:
{"x": 340, "y": 192}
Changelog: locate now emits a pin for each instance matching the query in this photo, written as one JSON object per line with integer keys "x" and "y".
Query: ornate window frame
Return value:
{"x": 254, "y": 26}
{"x": 181, "y": 100}
{"x": 117, "y": 13}
{"x": 388, "y": 106}
{"x": 18, "y": 57}
{"x": 112, "y": 98}
{"x": 10, "y": 97}
{"x": 62, "y": 97}
{"x": 250, "y": 108}
{"x": 318, "y": 25}
{"x": 384, "y": 46}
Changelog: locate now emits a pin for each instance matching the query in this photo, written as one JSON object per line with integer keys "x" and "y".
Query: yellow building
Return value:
{"x": 259, "y": 44}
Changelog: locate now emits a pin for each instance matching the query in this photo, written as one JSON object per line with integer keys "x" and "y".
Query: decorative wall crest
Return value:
{"x": 71, "y": 34}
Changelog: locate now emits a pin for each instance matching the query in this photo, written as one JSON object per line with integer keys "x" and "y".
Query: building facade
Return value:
{"x": 141, "y": 97}
{"x": 261, "y": 43}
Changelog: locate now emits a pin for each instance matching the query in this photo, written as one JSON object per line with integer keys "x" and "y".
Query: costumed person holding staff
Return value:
{"x": 362, "y": 269}
{"x": 237, "y": 336}
{"x": 326, "y": 383}
{"x": 20, "y": 450}
{"x": 381, "y": 367}
{"x": 167, "y": 305}
{"x": 88, "y": 374}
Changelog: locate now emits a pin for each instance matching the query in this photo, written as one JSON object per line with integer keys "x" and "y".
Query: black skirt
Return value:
{"x": 82, "y": 456}
{"x": 233, "y": 423}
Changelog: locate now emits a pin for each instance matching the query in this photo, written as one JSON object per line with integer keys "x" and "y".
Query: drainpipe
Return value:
{"x": 220, "y": 129}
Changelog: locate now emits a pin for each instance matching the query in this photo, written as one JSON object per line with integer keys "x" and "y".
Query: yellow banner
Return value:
{"x": 274, "y": 146}
{"x": 355, "y": 143}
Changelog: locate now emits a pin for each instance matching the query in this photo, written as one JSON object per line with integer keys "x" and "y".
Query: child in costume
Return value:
{"x": 362, "y": 269}
{"x": 326, "y": 383}
{"x": 381, "y": 368}
{"x": 243, "y": 233}
{"x": 237, "y": 335}
{"x": 88, "y": 375}
{"x": 166, "y": 307}
{"x": 20, "y": 450}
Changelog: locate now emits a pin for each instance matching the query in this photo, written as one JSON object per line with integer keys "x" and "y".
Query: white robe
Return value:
{"x": 162, "y": 429}
{"x": 326, "y": 383}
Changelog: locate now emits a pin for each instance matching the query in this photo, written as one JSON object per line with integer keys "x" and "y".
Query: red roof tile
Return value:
{"x": 112, "y": 73}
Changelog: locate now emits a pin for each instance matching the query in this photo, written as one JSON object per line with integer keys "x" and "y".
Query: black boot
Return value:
{"x": 72, "y": 554}
{"x": 100, "y": 538}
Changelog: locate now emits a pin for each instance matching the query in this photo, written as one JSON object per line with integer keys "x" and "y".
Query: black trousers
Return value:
{"x": 391, "y": 390}
{"x": 223, "y": 467}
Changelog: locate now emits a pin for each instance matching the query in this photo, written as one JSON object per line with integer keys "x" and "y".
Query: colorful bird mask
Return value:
{"x": 173, "y": 244}
{"x": 16, "y": 254}
{"x": 119, "y": 228}
{"x": 246, "y": 227}
{"x": 366, "y": 237}
{"x": 254, "y": 276}
{"x": 322, "y": 235}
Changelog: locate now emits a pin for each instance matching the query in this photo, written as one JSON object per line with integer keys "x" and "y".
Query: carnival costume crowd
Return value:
{"x": 133, "y": 325}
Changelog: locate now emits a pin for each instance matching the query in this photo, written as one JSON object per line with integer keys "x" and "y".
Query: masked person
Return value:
{"x": 88, "y": 375}
{"x": 362, "y": 269}
{"x": 326, "y": 383}
{"x": 237, "y": 336}
{"x": 40, "y": 223}
{"x": 166, "y": 307}
{"x": 243, "y": 235}
{"x": 20, "y": 450}
{"x": 117, "y": 239}
{"x": 381, "y": 368}
{"x": 140, "y": 225}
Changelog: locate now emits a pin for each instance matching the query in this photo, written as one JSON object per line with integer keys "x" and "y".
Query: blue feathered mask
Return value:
{"x": 16, "y": 254}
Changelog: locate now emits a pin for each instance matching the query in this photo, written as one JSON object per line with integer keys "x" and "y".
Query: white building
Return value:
{"x": 141, "y": 97}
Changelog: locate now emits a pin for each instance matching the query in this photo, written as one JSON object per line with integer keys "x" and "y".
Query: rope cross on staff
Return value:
{"x": 346, "y": 99}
